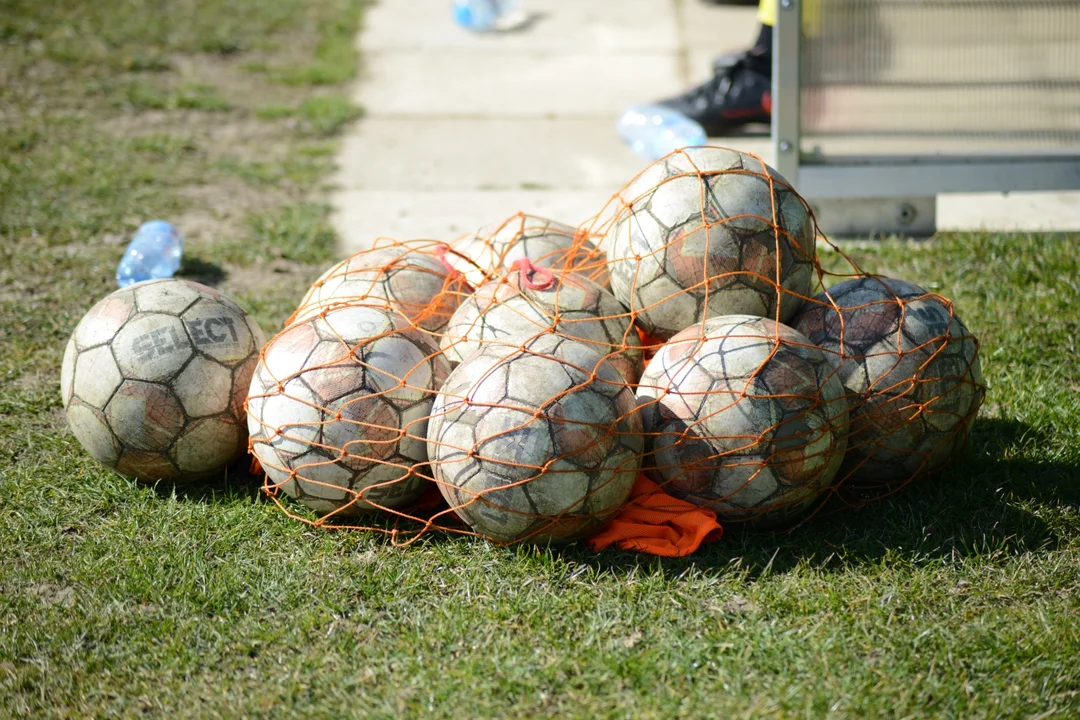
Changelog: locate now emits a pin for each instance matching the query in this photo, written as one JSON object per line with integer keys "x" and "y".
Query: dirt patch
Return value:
{"x": 233, "y": 134}
{"x": 286, "y": 281}
{"x": 217, "y": 210}
{"x": 35, "y": 380}
{"x": 737, "y": 606}
{"x": 241, "y": 87}
{"x": 53, "y": 594}
{"x": 58, "y": 421}
{"x": 272, "y": 274}
{"x": 236, "y": 131}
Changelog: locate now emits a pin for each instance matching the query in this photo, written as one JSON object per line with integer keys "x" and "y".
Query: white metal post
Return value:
{"x": 786, "y": 89}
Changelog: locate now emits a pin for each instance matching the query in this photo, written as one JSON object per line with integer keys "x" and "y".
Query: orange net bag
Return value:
{"x": 662, "y": 371}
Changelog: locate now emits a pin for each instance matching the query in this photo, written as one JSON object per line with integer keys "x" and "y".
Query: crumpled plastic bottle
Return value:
{"x": 488, "y": 15}
{"x": 653, "y": 131}
{"x": 154, "y": 252}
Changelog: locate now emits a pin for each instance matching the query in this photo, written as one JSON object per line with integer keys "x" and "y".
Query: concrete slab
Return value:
{"x": 455, "y": 84}
{"x": 717, "y": 29}
{"x": 482, "y": 154}
{"x": 592, "y": 27}
{"x": 1015, "y": 212}
{"x": 361, "y": 216}
{"x": 699, "y": 64}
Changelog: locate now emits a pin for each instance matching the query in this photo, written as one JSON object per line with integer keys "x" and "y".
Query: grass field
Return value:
{"x": 956, "y": 597}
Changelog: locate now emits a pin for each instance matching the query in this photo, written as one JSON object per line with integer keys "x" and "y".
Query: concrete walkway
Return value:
{"x": 463, "y": 130}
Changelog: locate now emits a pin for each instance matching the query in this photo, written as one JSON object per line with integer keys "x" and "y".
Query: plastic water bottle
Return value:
{"x": 155, "y": 252}
{"x": 653, "y": 131}
{"x": 488, "y": 15}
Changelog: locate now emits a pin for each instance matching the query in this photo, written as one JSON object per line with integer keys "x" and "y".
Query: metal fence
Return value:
{"x": 879, "y": 105}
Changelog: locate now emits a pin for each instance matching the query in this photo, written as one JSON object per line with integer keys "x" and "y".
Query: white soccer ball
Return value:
{"x": 154, "y": 379}
{"x": 338, "y": 409}
{"x": 541, "y": 443}
{"x": 491, "y": 251}
{"x": 533, "y": 301}
{"x": 408, "y": 278}
{"x": 911, "y": 367}
{"x": 705, "y": 232}
{"x": 745, "y": 417}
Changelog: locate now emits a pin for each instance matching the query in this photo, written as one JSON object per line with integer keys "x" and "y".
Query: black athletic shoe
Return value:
{"x": 737, "y": 95}
{"x": 724, "y": 62}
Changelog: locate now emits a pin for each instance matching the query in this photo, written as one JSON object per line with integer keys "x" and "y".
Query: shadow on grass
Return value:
{"x": 984, "y": 504}
{"x": 201, "y": 271}
{"x": 980, "y": 505}
{"x": 231, "y": 484}
{"x": 237, "y": 483}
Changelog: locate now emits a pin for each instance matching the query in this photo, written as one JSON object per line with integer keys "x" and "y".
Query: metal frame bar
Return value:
{"x": 914, "y": 216}
{"x": 919, "y": 176}
{"x": 787, "y": 89}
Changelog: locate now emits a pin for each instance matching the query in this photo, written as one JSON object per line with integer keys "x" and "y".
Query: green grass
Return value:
{"x": 141, "y": 95}
{"x": 299, "y": 233}
{"x": 322, "y": 115}
{"x": 334, "y": 61}
{"x": 957, "y": 597}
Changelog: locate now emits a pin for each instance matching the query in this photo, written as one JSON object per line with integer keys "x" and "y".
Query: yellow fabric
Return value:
{"x": 811, "y": 12}
{"x": 766, "y": 12}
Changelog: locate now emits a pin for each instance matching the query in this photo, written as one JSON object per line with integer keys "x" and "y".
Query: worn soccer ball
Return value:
{"x": 709, "y": 231}
{"x": 527, "y": 445}
{"x": 338, "y": 407}
{"x": 911, "y": 367}
{"x": 745, "y": 417}
{"x": 490, "y": 252}
{"x": 407, "y": 278}
{"x": 154, "y": 379}
{"x": 530, "y": 301}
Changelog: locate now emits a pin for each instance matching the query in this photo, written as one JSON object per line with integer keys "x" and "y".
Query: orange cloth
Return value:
{"x": 649, "y": 344}
{"x": 656, "y": 523}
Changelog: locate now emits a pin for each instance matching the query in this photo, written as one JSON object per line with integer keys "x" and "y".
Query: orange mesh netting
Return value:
{"x": 679, "y": 363}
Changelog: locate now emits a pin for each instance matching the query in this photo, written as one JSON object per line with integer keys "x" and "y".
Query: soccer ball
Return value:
{"x": 534, "y": 301}
{"x": 407, "y": 278}
{"x": 154, "y": 379}
{"x": 709, "y": 231}
{"x": 491, "y": 252}
{"x": 526, "y": 444}
{"x": 746, "y": 418}
{"x": 338, "y": 409}
{"x": 911, "y": 367}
